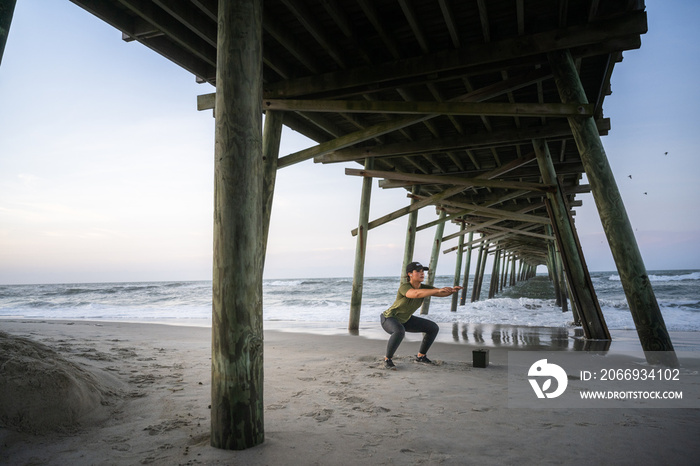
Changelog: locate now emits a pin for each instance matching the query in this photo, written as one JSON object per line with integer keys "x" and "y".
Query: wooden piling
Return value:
{"x": 564, "y": 286}
{"x": 465, "y": 283}
{"x": 410, "y": 243}
{"x": 483, "y": 270}
{"x": 642, "y": 302}
{"x": 7, "y": 9}
{"x": 237, "y": 333}
{"x": 458, "y": 269}
{"x": 553, "y": 265}
{"x": 520, "y": 270}
{"x": 493, "y": 284}
{"x": 594, "y": 326}
{"x": 434, "y": 255}
{"x": 272, "y": 136}
{"x": 477, "y": 273}
{"x": 358, "y": 276}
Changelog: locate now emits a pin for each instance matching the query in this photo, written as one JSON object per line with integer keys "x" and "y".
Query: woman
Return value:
{"x": 399, "y": 318}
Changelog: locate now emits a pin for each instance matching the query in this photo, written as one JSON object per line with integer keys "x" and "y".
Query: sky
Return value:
{"x": 106, "y": 166}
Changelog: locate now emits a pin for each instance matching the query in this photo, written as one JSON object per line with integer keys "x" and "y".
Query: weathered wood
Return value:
{"x": 413, "y": 207}
{"x": 553, "y": 266}
{"x": 493, "y": 284}
{"x": 410, "y": 243}
{"x": 458, "y": 270}
{"x": 379, "y": 129}
{"x": 429, "y": 108}
{"x": 472, "y": 141}
{"x": 434, "y": 256}
{"x": 272, "y": 136}
{"x": 490, "y": 223}
{"x": 449, "y": 180}
{"x": 501, "y": 214}
{"x": 345, "y": 141}
{"x": 358, "y": 276}
{"x": 477, "y": 273}
{"x": 465, "y": 57}
{"x": 206, "y": 101}
{"x": 237, "y": 334}
{"x": 642, "y": 302}
{"x": 7, "y": 9}
{"x": 467, "y": 269}
{"x": 497, "y": 236}
{"x": 524, "y": 233}
{"x": 483, "y": 269}
{"x": 594, "y": 326}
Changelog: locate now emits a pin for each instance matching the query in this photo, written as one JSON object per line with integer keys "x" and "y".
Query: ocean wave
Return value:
{"x": 529, "y": 303}
{"x": 282, "y": 283}
{"x": 665, "y": 278}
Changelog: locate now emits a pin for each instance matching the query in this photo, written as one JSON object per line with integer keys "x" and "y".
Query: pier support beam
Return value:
{"x": 495, "y": 279}
{"x": 434, "y": 255}
{"x": 7, "y": 9}
{"x": 574, "y": 265}
{"x": 642, "y": 302}
{"x": 272, "y": 136}
{"x": 237, "y": 331}
{"x": 458, "y": 269}
{"x": 410, "y": 234}
{"x": 465, "y": 285}
{"x": 553, "y": 265}
{"x": 476, "y": 296}
{"x": 358, "y": 275}
{"x": 477, "y": 273}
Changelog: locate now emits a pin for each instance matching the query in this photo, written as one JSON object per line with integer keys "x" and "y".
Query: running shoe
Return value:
{"x": 423, "y": 359}
{"x": 389, "y": 364}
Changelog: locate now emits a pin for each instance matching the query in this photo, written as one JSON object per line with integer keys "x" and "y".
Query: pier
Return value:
{"x": 490, "y": 113}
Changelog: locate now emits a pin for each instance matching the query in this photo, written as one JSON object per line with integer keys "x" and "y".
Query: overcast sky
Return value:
{"x": 106, "y": 166}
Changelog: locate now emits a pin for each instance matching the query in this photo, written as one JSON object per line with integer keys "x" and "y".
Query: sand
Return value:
{"x": 83, "y": 393}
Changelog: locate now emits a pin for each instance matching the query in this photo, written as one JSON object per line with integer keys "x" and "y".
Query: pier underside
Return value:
{"x": 489, "y": 112}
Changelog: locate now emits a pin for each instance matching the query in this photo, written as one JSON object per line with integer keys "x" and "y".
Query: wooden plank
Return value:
{"x": 633, "y": 23}
{"x": 524, "y": 233}
{"x": 428, "y": 108}
{"x": 473, "y": 141}
{"x": 448, "y": 193}
{"x": 449, "y": 180}
{"x": 395, "y": 125}
{"x": 206, "y": 101}
{"x": 501, "y": 213}
{"x": 413, "y": 207}
{"x": 175, "y": 30}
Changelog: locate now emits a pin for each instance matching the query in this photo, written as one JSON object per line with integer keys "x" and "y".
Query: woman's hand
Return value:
{"x": 448, "y": 290}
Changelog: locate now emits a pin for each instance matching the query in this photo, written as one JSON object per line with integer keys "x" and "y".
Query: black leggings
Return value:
{"x": 397, "y": 330}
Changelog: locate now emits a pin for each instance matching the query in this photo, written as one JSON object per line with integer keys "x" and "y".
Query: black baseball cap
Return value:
{"x": 415, "y": 266}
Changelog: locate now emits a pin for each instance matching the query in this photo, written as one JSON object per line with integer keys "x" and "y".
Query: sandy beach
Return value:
{"x": 83, "y": 393}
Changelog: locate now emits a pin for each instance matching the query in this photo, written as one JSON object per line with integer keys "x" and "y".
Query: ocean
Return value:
{"x": 327, "y": 300}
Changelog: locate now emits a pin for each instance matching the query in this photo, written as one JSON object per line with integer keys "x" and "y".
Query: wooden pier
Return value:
{"x": 488, "y": 112}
